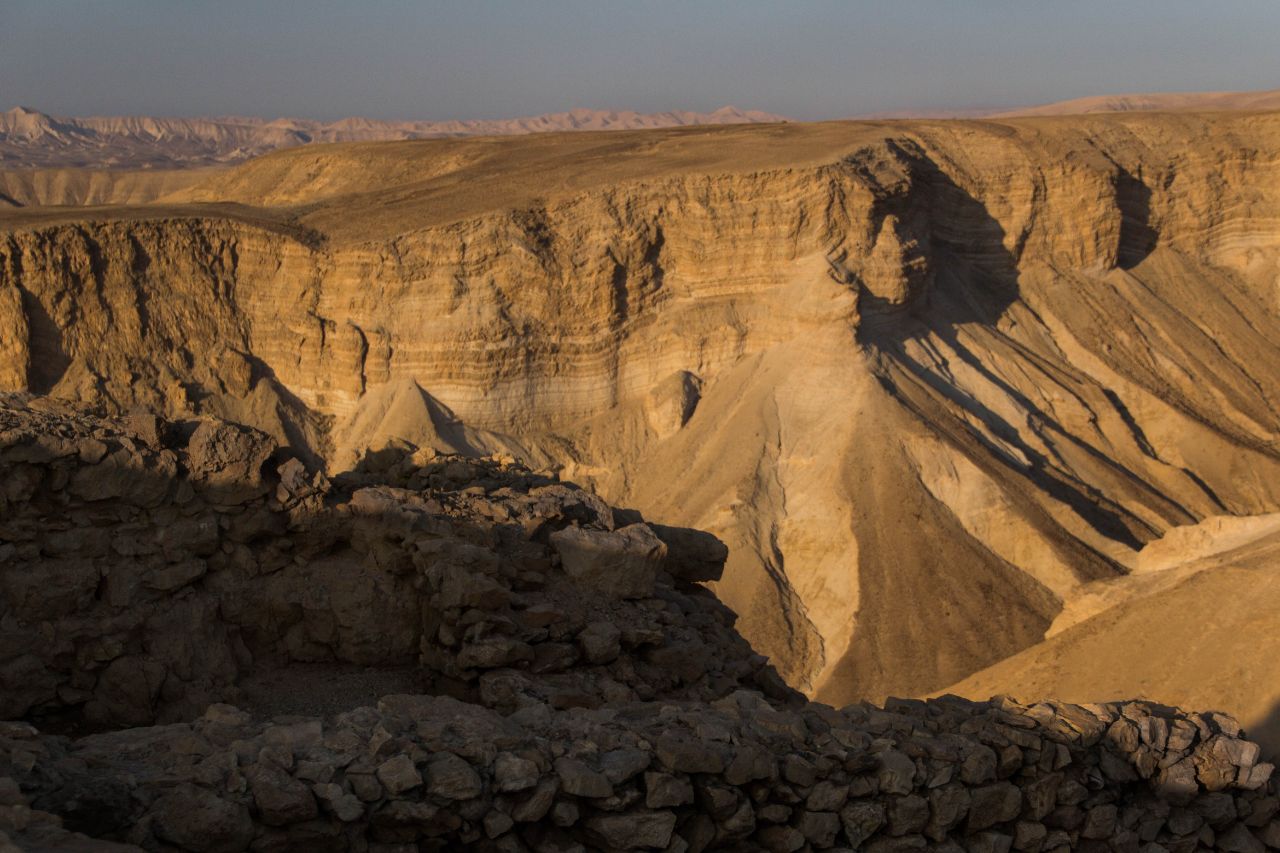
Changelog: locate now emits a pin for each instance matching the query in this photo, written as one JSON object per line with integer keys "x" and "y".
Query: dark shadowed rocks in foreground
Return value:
{"x": 579, "y": 689}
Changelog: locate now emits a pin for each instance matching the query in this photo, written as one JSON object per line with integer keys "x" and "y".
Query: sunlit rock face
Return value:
{"x": 925, "y": 380}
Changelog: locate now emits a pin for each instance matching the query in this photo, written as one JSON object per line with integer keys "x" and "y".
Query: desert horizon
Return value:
{"x": 34, "y": 140}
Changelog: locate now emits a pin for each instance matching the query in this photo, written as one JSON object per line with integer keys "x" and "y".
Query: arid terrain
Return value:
{"x": 899, "y": 368}
{"x": 977, "y": 407}
{"x": 1161, "y": 101}
{"x": 30, "y": 139}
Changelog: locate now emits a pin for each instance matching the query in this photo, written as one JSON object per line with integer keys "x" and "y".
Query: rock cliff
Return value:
{"x": 926, "y": 380}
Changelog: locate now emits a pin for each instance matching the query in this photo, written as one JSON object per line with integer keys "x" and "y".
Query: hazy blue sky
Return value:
{"x": 402, "y": 59}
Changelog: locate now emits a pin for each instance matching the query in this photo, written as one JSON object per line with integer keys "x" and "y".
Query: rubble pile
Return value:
{"x": 149, "y": 566}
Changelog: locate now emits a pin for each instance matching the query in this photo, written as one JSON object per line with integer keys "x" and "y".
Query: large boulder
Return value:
{"x": 694, "y": 556}
{"x": 196, "y": 819}
{"x": 622, "y": 563}
{"x": 227, "y": 459}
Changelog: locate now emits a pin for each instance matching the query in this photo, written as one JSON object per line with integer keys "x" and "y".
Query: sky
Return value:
{"x": 469, "y": 59}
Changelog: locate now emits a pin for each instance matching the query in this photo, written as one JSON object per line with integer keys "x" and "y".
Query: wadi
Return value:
{"x": 687, "y": 488}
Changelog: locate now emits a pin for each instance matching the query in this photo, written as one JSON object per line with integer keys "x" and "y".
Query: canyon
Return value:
{"x": 900, "y": 369}
{"x": 975, "y": 407}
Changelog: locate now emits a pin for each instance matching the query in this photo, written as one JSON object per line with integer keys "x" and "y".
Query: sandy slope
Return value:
{"x": 1145, "y": 102}
{"x": 82, "y": 187}
{"x": 1199, "y": 631}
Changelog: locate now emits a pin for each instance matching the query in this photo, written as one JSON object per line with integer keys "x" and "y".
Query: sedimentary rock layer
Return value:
{"x": 925, "y": 380}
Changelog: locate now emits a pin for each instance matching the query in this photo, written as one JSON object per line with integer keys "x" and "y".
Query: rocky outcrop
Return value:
{"x": 900, "y": 370}
{"x": 163, "y": 563}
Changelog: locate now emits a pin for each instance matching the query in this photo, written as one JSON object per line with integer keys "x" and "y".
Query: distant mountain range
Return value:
{"x": 32, "y": 139}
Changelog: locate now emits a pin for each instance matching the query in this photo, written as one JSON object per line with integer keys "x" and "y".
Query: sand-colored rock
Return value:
{"x": 1268, "y": 99}
{"x": 90, "y": 187}
{"x": 1198, "y": 542}
{"x": 924, "y": 379}
{"x": 1264, "y": 99}
{"x": 1195, "y": 633}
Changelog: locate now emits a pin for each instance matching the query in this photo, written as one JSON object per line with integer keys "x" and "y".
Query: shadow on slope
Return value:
{"x": 972, "y": 281}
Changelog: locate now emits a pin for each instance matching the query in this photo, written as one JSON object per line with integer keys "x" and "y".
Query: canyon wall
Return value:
{"x": 923, "y": 379}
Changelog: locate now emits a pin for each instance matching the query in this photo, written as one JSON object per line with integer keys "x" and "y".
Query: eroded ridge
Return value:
{"x": 574, "y": 686}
